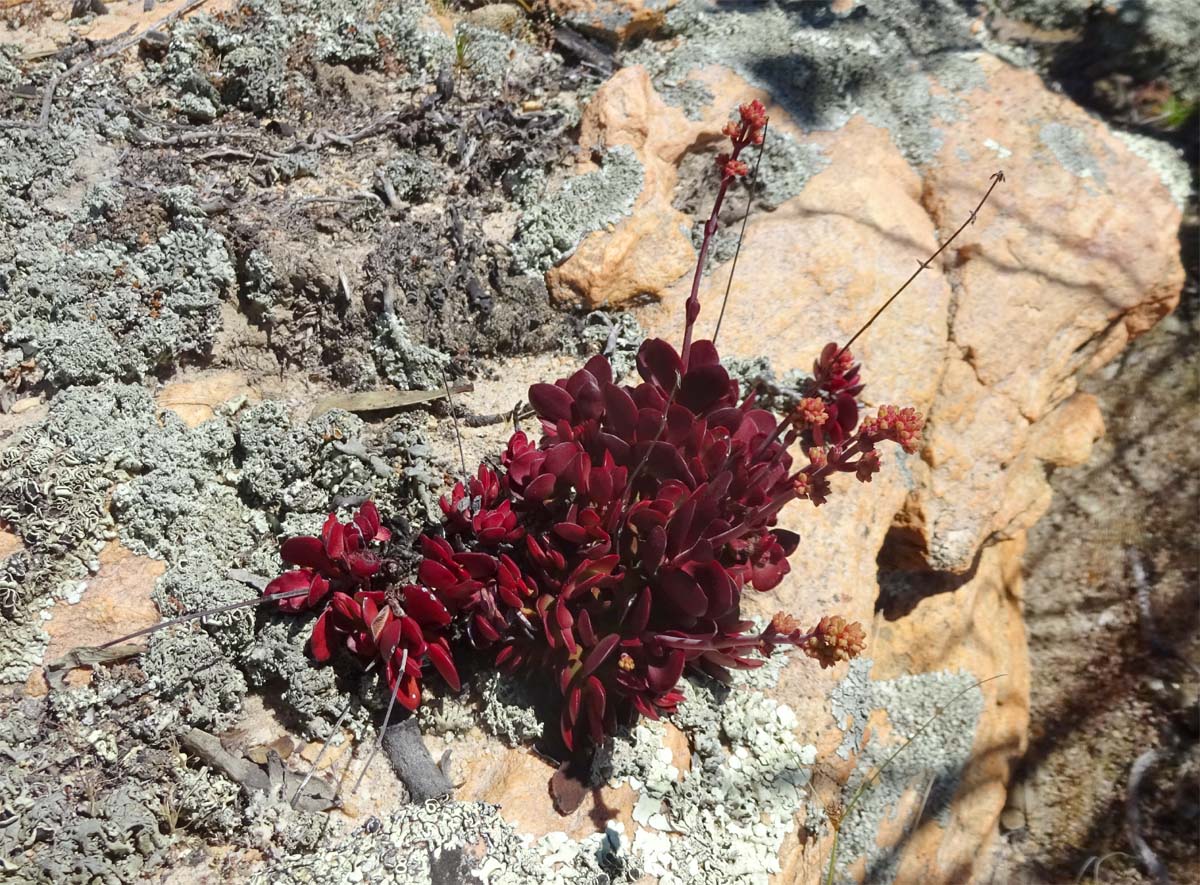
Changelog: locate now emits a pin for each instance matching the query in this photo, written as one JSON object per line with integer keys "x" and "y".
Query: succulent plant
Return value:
{"x": 611, "y": 554}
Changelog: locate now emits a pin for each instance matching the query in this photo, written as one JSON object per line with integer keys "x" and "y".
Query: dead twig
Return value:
{"x": 381, "y": 400}
{"x": 116, "y": 46}
{"x": 1133, "y": 827}
{"x": 318, "y": 795}
{"x": 357, "y": 198}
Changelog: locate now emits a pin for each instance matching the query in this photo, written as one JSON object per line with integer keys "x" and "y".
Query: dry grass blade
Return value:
{"x": 325, "y": 746}
{"x": 382, "y": 400}
{"x": 183, "y": 619}
{"x": 383, "y": 728}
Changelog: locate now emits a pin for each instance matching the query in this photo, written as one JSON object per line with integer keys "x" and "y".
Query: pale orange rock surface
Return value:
{"x": 648, "y": 250}
{"x": 196, "y": 399}
{"x": 1062, "y": 276}
{"x": 9, "y": 544}
{"x": 1054, "y": 278}
{"x": 116, "y": 602}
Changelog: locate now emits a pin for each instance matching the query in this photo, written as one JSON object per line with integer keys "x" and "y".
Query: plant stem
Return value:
{"x": 997, "y": 177}
{"x": 692, "y": 306}
{"x": 741, "y": 236}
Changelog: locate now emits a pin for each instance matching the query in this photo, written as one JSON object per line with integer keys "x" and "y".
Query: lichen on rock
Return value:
{"x": 834, "y": 66}
{"x": 549, "y": 231}
{"x": 941, "y": 712}
{"x": 726, "y": 817}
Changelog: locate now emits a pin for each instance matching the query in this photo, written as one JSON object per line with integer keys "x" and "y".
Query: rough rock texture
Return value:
{"x": 1054, "y": 256}
{"x": 1148, "y": 40}
{"x": 614, "y": 20}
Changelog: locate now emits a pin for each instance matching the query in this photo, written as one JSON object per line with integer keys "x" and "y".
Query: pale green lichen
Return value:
{"x": 787, "y": 166}
{"x": 403, "y": 361}
{"x": 726, "y": 817}
{"x": 194, "y": 682}
{"x": 413, "y": 177}
{"x": 455, "y": 842}
{"x": 1167, "y": 162}
{"x": 948, "y": 706}
{"x": 193, "y": 584}
{"x": 1072, "y": 150}
{"x": 550, "y": 231}
{"x": 494, "y": 57}
{"x": 114, "y": 310}
{"x": 507, "y": 709}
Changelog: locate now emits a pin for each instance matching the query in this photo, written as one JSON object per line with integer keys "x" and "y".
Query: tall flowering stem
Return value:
{"x": 747, "y": 130}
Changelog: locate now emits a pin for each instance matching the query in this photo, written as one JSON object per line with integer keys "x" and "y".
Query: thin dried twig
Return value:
{"x": 386, "y": 718}
{"x": 183, "y": 619}
{"x": 1133, "y": 823}
{"x": 462, "y": 458}
{"x": 115, "y": 47}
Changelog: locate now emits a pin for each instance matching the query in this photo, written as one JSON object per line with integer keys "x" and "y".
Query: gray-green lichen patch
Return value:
{"x": 207, "y": 499}
{"x": 214, "y": 66}
{"x": 507, "y": 710}
{"x": 56, "y": 500}
{"x": 779, "y": 394}
{"x": 116, "y": 309}
{"x": 787, "y": 166}
{"x": 414, "y": 178}
{"x": 82, "y": 802}
{"x": 455, "y": 842}
{"x": 942, "y": 711}
{"x": 1167, "y": 162}
{"x": 405, "y": 362}
{"x": 690, "y": 95}
{"x": 193, "y": 680}
{"x": 725, "y": 819}
{"x": 882, "y": 61}
{"x": 616, "y": 335}
{"x": 1071, "y": 149}
{"x": 551, "y": 230}
{"x": 490, "y": 54}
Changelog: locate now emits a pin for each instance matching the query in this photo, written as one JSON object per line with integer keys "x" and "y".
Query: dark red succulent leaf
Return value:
{"x": 341, "y": 557}
{"x": 299, "y": 579}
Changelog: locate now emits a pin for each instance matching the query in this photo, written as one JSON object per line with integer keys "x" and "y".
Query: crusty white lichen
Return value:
{"x": 551, "y": 230}
{"x": 438, "y": 842}
{"x": 725, "y": 818}
{"x": 951, "y": 703}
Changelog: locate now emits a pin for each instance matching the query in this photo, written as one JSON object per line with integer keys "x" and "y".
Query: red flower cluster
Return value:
{"x": 826, "y": 424}
{"x": 747, "y": 130}
{"x": 611, "y": 555}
